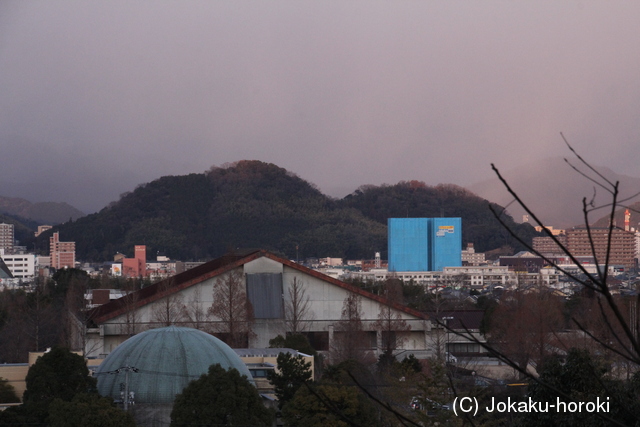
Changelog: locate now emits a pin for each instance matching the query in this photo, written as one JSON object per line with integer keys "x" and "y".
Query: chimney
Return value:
{"x": 627, "y": 217}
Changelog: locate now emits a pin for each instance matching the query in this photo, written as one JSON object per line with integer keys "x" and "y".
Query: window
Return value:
{"x": 259, "y": 373}
{"x": 463, "y": 348}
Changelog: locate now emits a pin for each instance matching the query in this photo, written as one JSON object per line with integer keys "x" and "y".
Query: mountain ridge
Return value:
{"x": 256, "y": 204}
{"x": 50, "y": 213}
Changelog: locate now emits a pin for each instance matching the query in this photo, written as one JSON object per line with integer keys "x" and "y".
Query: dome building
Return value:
{"x": 157, "y": 365}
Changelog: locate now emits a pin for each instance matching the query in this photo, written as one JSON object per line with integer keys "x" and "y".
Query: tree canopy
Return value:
{"x": 7, "y": 392}
{"x": 329, "y": 404}
{"x": 580, "y": 377}
{"x": 58, "y": 374}
{"x": 295, "y": 341}
{"x": 88, "y": 410}
{"x": 220, "y": 397}
{"x": 293, "y": 372}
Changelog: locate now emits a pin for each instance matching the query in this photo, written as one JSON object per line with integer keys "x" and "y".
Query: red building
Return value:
{"x": 136, "y": 266}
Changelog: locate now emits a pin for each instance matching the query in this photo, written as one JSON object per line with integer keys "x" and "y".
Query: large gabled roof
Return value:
{"x": 215, "y": 268}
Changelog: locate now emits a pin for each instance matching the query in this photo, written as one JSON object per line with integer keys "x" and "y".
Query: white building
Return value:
{"x": 478, "y": 276}
{"x": 268, "y": 280}
{"x": 22, "y": 266}
{"x": 471, "y": 257}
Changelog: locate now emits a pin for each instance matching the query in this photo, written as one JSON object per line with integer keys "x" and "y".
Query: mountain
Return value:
{"x": 260, "y": 205}
{"x": 553, "y": 190}
{"x": 246, "y": 204}
{"x": 415, "y": 199}
{"x": 50, "y": 213}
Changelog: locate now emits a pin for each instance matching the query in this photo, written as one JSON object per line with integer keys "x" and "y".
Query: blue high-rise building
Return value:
{"x": 424, "y": 244}
{"x": 445, "y": 243}
{"x": 408, "y": 244}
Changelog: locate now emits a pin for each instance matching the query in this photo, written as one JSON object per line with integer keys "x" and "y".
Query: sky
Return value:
{"x": 99, "y": 97}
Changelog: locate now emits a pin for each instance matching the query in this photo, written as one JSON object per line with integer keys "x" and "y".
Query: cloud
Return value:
{"x": 111, "y": 94}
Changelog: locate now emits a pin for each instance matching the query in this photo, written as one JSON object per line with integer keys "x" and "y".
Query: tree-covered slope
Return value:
{"x": 415, "y": 199}
{"x": 251, "y": 204}
{"x": 246, "y": 204}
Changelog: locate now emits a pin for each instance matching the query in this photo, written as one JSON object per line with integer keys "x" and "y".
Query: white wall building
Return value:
{"x": 22, "y": 266}
{"x": 268, "y": 280}
{"x": 478, "y": 276}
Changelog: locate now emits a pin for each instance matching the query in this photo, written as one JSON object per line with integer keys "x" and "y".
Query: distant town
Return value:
{"x": 462, "y": 268}
{"x": 434, "y": 301}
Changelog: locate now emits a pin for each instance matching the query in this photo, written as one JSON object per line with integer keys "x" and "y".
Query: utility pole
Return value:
{"x": 126, "y": 399}
{"x": 446, "y": 324}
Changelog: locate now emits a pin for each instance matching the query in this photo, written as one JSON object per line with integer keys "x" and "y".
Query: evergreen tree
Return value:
{"x": 293, "y": 373}
{"x": 88, "y": 410}
{"x": 220, "y": 397}
{"x": 58, "y": 374}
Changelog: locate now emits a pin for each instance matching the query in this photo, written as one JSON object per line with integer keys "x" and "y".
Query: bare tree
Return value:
{"x": 170, "y": 309}
{"x": 350, "y": 338}
{"x": 618, "y": 325}
{"x": 436, "y": 306}
{"x": 41, "y": 315}
{"x": 233, "y": 309}
{"x": 297, "y": 309}
{"x": 525, "y": 325}
{"x": 390, "y": 322}
{"x": 77, "y": 314}
{"x": 15, "y": 339}
{"x": 130, "y": 326}
{"x": 194, "y": 315}
{"x": 625, "y": 342}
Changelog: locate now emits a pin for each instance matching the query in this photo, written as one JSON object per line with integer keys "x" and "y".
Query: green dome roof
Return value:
{"x": 167, "y": 360}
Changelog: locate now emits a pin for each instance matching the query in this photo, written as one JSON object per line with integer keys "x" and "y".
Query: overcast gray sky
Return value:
{"x": 97, "y": 97}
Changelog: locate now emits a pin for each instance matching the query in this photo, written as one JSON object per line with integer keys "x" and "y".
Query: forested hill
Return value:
{"x": 251, "y": 204}
{"x": 415, "y": 199}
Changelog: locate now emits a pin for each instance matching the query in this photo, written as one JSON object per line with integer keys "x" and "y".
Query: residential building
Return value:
{"x": 63, "y": 254}
{"x": 471, "y": 257}
{"x": 621, "y": 248}
{"x": 547, "y": 246}
{"x": 7, "y": 239}
{"x": 262, "y": 360}
{"x": 523, "y": 262}
{"x": 330, "y": 262}
{"x": 42, "y": 229}
{"x": 553, "y": 231}
{"x": 477, "y": 277}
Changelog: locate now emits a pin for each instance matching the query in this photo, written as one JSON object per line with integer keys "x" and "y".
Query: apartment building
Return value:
{"x": 7, "y": 239}
{"x": 63, "y": 254}
{"x": 622, "y": 246}
{"x": 547, "y": 246}
{"x": 471, "y": 257}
